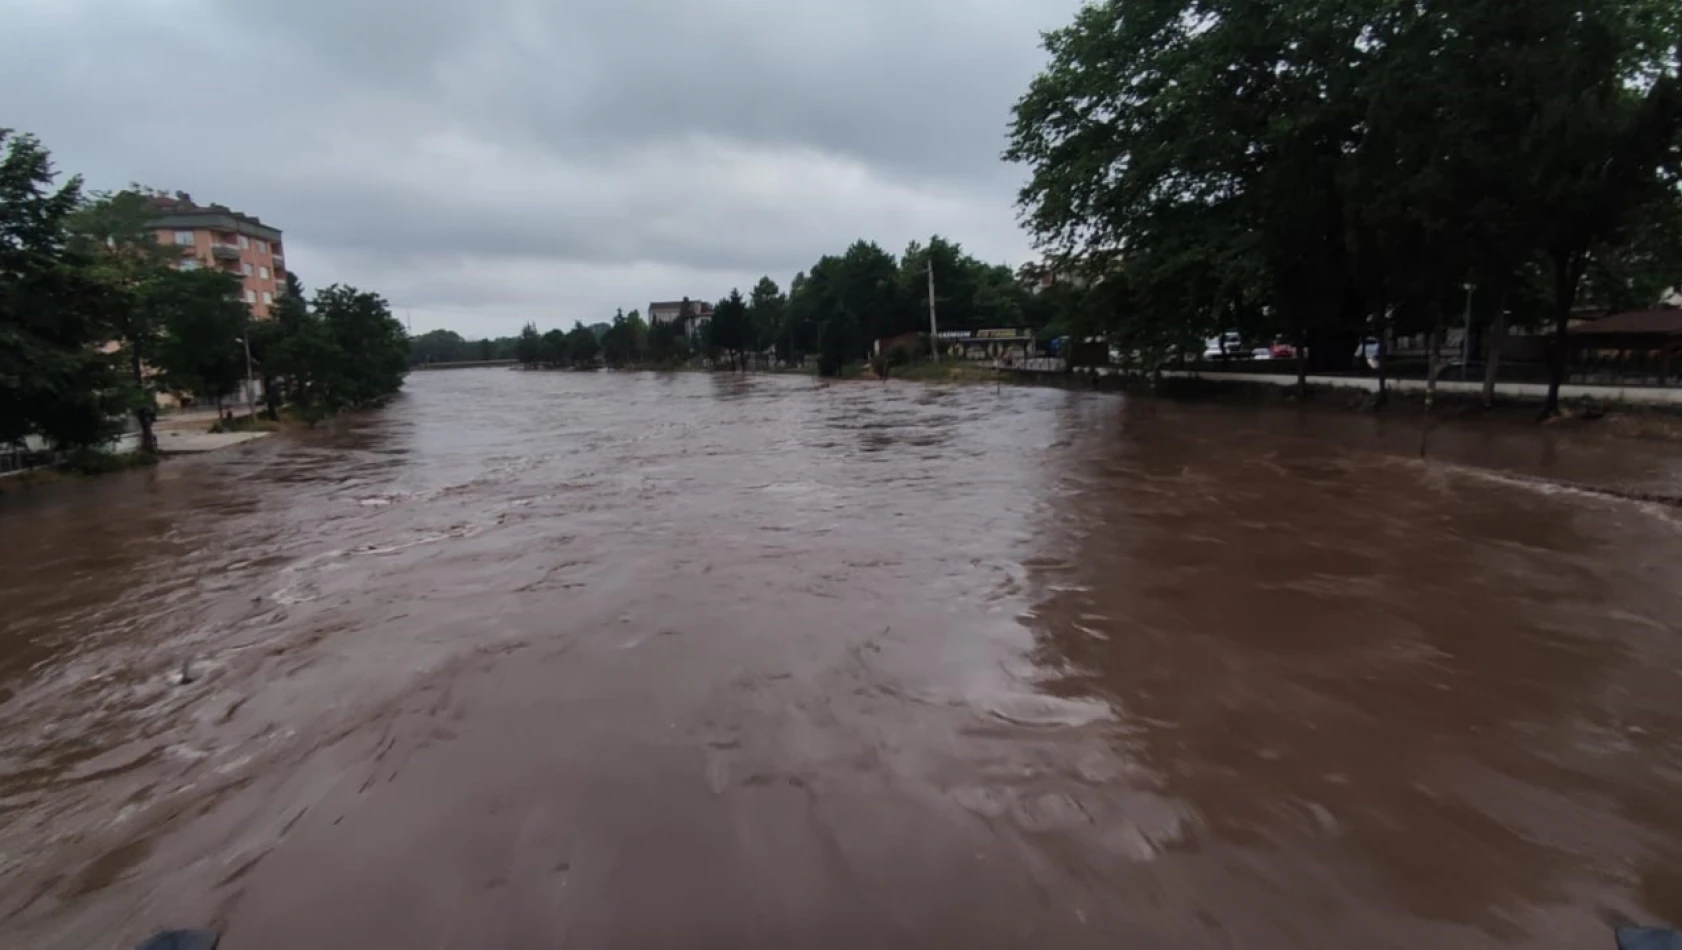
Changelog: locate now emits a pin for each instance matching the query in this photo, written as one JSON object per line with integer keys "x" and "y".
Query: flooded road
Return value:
{"x": 569, "y": 660}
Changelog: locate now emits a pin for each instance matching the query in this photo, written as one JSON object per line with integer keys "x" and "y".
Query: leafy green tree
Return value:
{"x": 1324, "y": 170}
{"x": 731, "y": 329}
{"x": 271, "y": 340}
{"x": 552, "y": 349}
{"x": 371, "y": 346}
{"x": 666, "y": 344}
{"x": 622, "y": 344}
{"x": 529, "y": 348}
{"x": 54, "y": 310}
{"x": 111, "y": 230}
{"x": 768, "y": 314}
{"x": 838, "y": 343}
{"x": 201, "y": 321}
{"x": 581, "y": 346}
{"x": 444, "y": 346}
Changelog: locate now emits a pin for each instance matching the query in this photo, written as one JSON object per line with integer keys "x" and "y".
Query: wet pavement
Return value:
{"x": 552, "y": 659}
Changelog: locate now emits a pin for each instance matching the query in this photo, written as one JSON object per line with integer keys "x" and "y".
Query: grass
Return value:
{"x": 257, "y": 423}
{"x": 95, "y": 462}
{"x": 946, "y": 372}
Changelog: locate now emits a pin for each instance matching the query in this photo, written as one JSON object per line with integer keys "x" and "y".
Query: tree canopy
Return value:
{"x": 1318, "y": 170}
{"x": 97, "y": 316}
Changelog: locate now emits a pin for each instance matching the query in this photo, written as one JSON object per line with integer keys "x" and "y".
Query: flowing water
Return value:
{"x": 572, "y": 660}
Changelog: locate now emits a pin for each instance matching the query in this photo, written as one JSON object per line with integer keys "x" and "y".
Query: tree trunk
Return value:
{"x": 1492, "y": 361}
{"x": 1567, "y": 274}
{"x": 271, "y": 398}
{"x": 1382, "y": 330}
{"x": 1432, "y": 367}
{"x": 1302, "y": 363}
{"x": 147, "y": 413}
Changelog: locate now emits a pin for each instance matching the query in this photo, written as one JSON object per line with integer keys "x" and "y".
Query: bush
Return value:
{"x": 87, "y": 461}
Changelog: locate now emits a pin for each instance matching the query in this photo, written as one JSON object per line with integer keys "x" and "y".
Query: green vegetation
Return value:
{"x": 448, "y": 346}
{"x": 837, "y": 311}
{"x": 55, "y": 311}
{"x": 97, "y": 318}
{"x": 1324, "y": 172}
{"x": 576, "y": 349}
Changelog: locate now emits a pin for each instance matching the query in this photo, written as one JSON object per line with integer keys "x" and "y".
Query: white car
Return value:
{"x": 1226, "y": 346}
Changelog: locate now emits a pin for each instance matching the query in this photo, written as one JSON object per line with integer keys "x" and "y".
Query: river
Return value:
{"x": 635, "y": 660}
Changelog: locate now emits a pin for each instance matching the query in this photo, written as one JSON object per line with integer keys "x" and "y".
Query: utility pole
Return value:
{"x": 934, "y": 327}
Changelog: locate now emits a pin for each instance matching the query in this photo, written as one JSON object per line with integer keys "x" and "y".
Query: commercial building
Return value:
{"x": 216, "y": 236}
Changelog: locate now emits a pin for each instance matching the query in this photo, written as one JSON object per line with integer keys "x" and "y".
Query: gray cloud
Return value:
{"x": 487, "y": 163}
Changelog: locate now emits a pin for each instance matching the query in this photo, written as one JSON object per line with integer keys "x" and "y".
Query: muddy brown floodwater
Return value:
{"x": 567, "y": 660}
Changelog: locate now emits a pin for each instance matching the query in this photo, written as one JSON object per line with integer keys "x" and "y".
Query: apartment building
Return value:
{"x": 216, "y": 236}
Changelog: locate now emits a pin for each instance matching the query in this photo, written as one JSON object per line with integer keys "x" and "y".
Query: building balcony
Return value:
{"x": 224, "y": 252}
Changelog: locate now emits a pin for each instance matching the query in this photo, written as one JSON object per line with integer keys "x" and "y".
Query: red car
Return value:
{"x": 1283, "y": 351}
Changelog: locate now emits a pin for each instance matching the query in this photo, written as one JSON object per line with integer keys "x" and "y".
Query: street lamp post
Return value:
{"x": 250, "y": 384}
{"x": 1466, "y": 335}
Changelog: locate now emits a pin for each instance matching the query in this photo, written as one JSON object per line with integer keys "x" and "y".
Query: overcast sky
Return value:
{"x": 488, "y": 162}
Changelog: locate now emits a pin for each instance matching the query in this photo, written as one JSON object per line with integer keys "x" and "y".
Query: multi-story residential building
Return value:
{"x": 216, "y": 236}
{"x": 690, "y": 315}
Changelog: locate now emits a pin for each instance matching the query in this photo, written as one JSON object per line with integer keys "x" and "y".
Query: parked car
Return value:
{"x": 1368, "y": 352}
{"x": 1282, "y": 351}
{"x": 1226, "y": 346}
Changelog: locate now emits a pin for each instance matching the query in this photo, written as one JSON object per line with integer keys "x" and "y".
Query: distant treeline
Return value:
{"x": 834, "y": 311}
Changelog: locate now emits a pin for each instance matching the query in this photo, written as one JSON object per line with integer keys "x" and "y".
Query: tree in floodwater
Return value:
{"x": 768, "y": 315}
{"x": 273, "y": 348}
{"x": 529, "y": 348}
{"x": 581, "y": 346}
{"x": 730, "y": 329}
{"x": 838, "y": 343}
{"x": 626, "y": 339}
{"x": 344, "y": 351}
{"x": 552, "y": 349}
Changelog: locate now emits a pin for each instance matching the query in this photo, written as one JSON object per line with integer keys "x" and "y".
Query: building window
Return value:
{"x": 188, "y": 264}
{"x": 246, "y": 268}
{"x": 251, "y": 296}
{"x": 243, "y": 242}
{"x": 184, "y": 238}
{"x": 268, "y": 298}
{"x": 263, "y": 248}
{"x": 263, "y": 272}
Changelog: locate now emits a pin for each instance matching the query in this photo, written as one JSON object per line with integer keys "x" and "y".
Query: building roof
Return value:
{"x": 1665, "y": 321}
{"x": 180, "y": 212}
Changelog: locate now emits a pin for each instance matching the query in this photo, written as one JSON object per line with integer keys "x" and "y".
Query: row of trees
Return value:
{"x": 1324, "y": 171}
{"x": 448, "y": 346}
{"x": 836, "y": 309}
{"x": 97, "y": 318}
{"x": 577, "y": 348}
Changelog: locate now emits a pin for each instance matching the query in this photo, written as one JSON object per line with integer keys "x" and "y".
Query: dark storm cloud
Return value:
{"x": 484, "y": 163}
